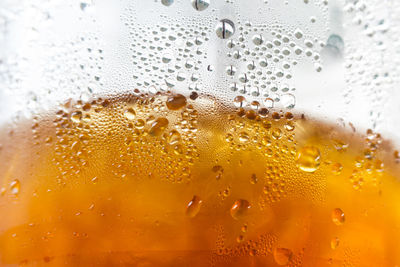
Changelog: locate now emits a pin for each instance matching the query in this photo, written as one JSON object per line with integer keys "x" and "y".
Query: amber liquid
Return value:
{"x": 152, "y": 181}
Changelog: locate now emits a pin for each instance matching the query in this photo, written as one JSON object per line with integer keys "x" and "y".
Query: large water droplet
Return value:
{"x": 200, "y": 5}
{"x": 240, "y": 208}
{"x": 288, "y": 101}
{"x": 130, "y": 114}
{"x": 176, "y": 102}
{"x": 225, "y": 29}
{"x": 308, "y": 159}
{"x": 282, "y": 256}
{"x": 334, "y": 46}
{"x": 194, "y": 206}
{"x": 158, "y": 126}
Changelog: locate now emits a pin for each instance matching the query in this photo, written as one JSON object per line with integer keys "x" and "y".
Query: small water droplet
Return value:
{"x": 336, "y": 168}
{"x": 338, "y": 216}
{"x": 95, "y": 180}
{"x": 244, "y": 137}
{"x": 15, "y": 187}
{"x": 335, "y": 242}
{"x": 253, "y": 179}
{"x": 225, "y": 29}
{"x": 308, "y": 159}
{"x": 240, "y": 208}
{"x": 194, "y": 206}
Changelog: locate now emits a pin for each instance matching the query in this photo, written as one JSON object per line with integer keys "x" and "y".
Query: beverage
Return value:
{"x": 165, "y": 180}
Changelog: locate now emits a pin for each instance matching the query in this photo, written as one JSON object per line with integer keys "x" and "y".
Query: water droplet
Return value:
{"x": 282, "y": 256}
{"x": 288, "y": 101}
{"x": 176, "y": 102}
{"x": 338, "y": 216}
{"x": 308, "y": 159}
{"x": 336, "y": 168}
{"x": 158, "y": 126}
{"x": 167, "y": 2}
{"x": 225, "y": 29}
{"x": 231, "y": 44}
{"x": 239, "y": 101}
{"x": 167, "y": 57}
{"x": 76, "y": 116}
{"x": 298, "y": 33}
{"x": 95, "y": 180}
{"x": 244, "y": 137}
{"x": 218, "y": 170}
{"x": 276, "y": 133}
{"x": 200, "y": 5}
{"x": 335, "y": 44}
{"x": 15, "y": 187}
{"x": 335, "y": 242}
{"x": 194, "y": 206}
{"x": 130, "y": 114}
{"x": 173, "y": 137}
{"x": 269, "y": 102}
{"x": 258, "y": 39}
{"x": 230, "y": 70}
{"x": 239, "y": 209}
{"x": 243, "y": 78}
{"x": 240, "y": 239}
{"x": 253, "y": 179}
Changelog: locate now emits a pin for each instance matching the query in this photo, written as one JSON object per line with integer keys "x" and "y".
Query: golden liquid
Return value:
{"x": 168, "y": 181}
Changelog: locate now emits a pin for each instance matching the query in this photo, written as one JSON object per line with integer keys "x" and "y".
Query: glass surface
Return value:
{"x": 199, "y": 133}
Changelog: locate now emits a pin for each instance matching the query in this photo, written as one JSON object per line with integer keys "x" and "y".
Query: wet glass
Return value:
{"x": 199, "y": 132}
